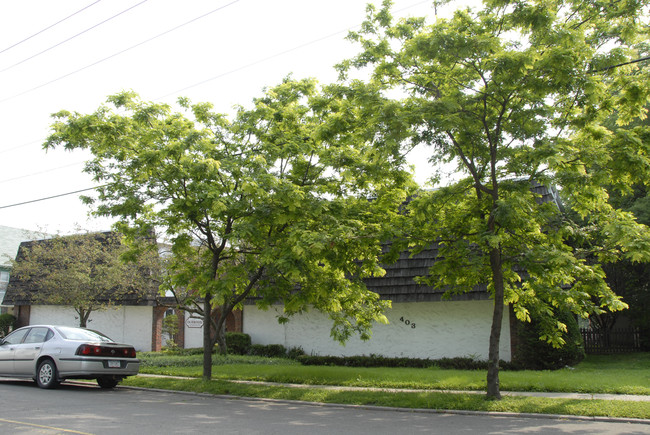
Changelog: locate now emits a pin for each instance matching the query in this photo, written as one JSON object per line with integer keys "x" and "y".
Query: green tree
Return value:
{"x": 513, "y": 95}
{"x": 273, "y": 205}
{"x": 170, "y": 328}
{"x": 628, "y": 279}
{"x": 88, "y": 272}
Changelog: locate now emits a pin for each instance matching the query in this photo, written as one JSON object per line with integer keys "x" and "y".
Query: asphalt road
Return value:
{"x": 78, "y": 409}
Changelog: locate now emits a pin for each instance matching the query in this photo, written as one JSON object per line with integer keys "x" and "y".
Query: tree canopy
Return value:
{"x": 88, "y": 272}
{"x": 515, "y": 95}
{"x": 287, "y": 202}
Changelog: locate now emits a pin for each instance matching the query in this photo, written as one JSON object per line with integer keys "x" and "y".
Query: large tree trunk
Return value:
{"x": 493, "y": 388}
{"x": 207, "y": 338}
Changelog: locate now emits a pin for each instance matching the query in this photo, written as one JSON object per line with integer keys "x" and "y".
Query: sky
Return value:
{"x": 71, "y": 54}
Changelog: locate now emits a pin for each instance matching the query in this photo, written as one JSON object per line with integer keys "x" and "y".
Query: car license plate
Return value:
{"x": 114, "y": 364}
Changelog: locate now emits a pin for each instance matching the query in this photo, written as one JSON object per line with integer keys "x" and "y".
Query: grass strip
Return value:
{"x": 588, "y": 380}
{"x": 411, "y": 400}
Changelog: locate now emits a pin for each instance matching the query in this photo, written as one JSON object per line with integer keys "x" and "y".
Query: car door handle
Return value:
{"x": 37, "y": 347}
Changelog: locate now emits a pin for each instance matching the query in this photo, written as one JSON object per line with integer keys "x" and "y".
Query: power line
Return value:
{"x": 278, "y": 54}
{"x": 50, "y": 197}
{"x": 281, "y": 53}
{"x": 20, "y": 146}
{"x": 48, "y": 27}
{"x": 181, "y": 90}
{"x": 41, "y": 172}
{"x": 73, "y": 37}
{"x": 642, "y": 59}
{"x": 118, "y": 53}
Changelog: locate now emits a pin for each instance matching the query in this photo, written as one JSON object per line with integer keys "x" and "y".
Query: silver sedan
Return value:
{"x": 50, "y": 354}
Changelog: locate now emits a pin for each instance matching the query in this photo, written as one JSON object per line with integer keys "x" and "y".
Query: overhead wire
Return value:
{"x": 20, "y": 146}
{"x": 118, "y": 53}
{"x": 281, "y": 53}
{"x": 73, "y": 37}
{"x": 42, "y": 172}
{"x": 48, "y": 27}
{"x": 50, "y": 197}
{"x": 278, "y": 54}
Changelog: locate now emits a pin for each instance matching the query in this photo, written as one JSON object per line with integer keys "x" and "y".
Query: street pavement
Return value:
{"x": 83, "y": 408}
{"x": 581, "y": 396}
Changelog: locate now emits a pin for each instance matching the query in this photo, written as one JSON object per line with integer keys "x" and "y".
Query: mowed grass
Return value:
{"x": 620, "y": 374}
{"x": 616, "y": 374}
{"x": 410, "y": 400}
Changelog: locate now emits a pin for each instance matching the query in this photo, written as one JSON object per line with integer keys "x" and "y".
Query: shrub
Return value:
{"x": 170, "y": 328}
{"x": 7, "y": 324}
{"x": 458, "y": 363}
{"x": 295, "y": 352}
{"x": 532, "y": 353}
{"x": 268, "y": 350}
{"x": 238, "y": 343}
{"x": 186, "y": 352}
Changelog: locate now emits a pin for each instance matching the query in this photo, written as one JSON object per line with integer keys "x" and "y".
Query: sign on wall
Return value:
{"x": 194, "y": 322}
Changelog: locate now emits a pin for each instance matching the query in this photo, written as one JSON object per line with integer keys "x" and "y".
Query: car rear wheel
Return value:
{"x": 107, "y": 382}
{"x": 46, "y": 376}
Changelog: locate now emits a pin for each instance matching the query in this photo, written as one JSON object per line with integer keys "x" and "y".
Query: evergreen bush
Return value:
{"x": 456, "y": 363}
{"x": 532, "y": 353}
{"x": 7, "y": 324}
{"x": 268, "y": 350}
{"x": 238, "y": 343}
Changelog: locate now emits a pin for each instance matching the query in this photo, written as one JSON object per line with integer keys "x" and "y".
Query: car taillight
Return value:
{"x": 98, "y": 350}
{"x": 88, "y": 349}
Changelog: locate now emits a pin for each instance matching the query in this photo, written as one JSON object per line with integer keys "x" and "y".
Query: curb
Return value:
{"x": 599, "y": 419}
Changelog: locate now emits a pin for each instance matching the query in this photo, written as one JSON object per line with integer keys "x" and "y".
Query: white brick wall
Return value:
{"x": 193, "y": 336}
{"x": 417, "y": 330}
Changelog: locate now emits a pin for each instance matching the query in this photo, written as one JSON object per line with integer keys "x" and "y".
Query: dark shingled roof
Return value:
{"x": 399, "y": 284}
{"x": 21, "y": 291}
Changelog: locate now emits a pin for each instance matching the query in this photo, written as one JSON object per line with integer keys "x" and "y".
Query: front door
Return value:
{"x": 8, "y": 349}
{"x": 27, "y": 352}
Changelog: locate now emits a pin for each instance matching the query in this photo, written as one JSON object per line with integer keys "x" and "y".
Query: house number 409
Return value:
{"x": 407, "y": 322}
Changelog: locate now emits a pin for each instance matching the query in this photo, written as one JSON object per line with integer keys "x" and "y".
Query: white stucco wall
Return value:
{"x": 193, "y": 336}
{"x": 131, "y": 325}
{"x": 416, "y": 330}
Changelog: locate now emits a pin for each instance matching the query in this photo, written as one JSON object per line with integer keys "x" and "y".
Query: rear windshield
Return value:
{"x": 82, "y": 334}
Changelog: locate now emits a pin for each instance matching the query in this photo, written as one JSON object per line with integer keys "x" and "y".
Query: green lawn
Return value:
{"x": 621, "y": 374}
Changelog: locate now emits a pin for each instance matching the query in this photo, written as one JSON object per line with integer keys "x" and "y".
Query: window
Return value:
{"x": 15, "y": 337}
{"x": 82, "y": 334}
{"x": 4, "y": 281}
{"x": 38, "y": 335}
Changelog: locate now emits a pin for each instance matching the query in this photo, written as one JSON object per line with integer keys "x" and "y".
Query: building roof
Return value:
{"x": 399, "y": 283}
{"x": 22, "y": 291}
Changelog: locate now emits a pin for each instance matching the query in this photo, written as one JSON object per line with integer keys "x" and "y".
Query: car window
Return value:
{"x": 82, "y": 334}
{"x": 16, "y": 337}
{"x": 37, "y": 335}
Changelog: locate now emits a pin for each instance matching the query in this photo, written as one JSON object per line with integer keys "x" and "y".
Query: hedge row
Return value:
{"x": 460, "y": 363}
{"x": 532, "y": 354}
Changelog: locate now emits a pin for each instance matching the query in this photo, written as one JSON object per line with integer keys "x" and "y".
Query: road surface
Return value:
{"x": 79, "y": 409}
